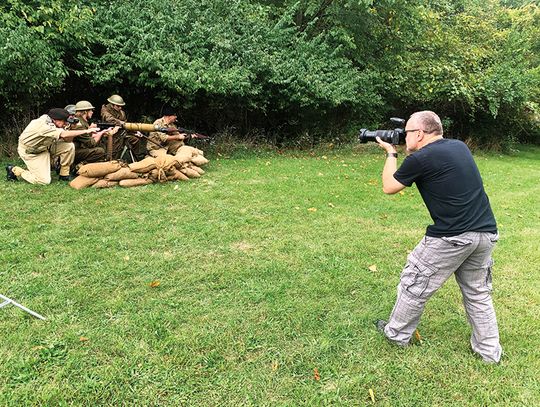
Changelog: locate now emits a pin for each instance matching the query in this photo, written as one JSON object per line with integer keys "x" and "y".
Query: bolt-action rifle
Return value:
{"x": 147, "y": 128}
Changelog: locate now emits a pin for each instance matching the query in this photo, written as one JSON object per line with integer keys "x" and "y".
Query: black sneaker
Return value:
{"x": 9, "y": 173}
{"x": 380, "y": 324}
{"x": 65, "y": 178}
{"x": 57, "y": 167}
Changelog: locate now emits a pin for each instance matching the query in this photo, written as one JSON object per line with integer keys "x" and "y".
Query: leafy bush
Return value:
{"x": 285, "y": 68}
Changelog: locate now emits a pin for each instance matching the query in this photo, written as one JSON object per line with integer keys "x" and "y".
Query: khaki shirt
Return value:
{"x": 110, "y": 115}
{"x": 158, "y": 136}
{"x": 39, "y": 135}
{"x": 84, "y": 140}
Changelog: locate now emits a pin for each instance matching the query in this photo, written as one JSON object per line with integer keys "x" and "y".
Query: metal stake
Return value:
{"x": 8, "y": 301}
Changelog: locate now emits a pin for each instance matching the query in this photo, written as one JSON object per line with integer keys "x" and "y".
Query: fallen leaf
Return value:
{"x": 372, "y": 395}
{"x": 324, "y": 157}
{"x": 316, "y": 374}
{"x": 401, "y": 193}
{"x": 331, "y": 205}
{"x": 417, "y": 336}
{"x": 275, "y": 365}
{"x": 83, "y": 339}
{"x": 175, "y": 187}
{"x": 373, "y": 267}
{"x": 154, "y": 284}
{"x": 126, "y": 258}
{"x": 312, "y": 209}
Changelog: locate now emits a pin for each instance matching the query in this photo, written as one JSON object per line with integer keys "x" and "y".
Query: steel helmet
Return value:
{"x": 116, "y": 100}
{"x": 70, "y": 109}
{"x": 83, "y": 105}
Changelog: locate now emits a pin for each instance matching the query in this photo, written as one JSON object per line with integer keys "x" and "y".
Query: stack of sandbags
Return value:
{"x": 165, "y": 167}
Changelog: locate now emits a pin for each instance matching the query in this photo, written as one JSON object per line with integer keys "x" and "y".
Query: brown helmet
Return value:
{"x": 116, "y": 100}
{"x": 83, "y": 105}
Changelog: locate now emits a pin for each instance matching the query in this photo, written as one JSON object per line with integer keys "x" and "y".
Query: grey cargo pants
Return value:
{"x": 431, "y": 263}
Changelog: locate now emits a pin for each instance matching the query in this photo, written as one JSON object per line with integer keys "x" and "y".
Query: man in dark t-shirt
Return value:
{"x": 459, "y": 242}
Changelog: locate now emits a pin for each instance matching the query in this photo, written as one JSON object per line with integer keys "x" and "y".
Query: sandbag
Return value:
{"x": 177, "y": 176}
{"x": 199, "y": 160}
{"x": 122, "y": 173}
{"x": 81, "y": 182}
{"x": 165, "y": 162}
{"x": 183, "y": 156}
{"x": 128, "y": 183}
{"x": 152, "y": 175}
{"x": 198, "y": 169}
{"x": 187, "y": 150}
{"x": 98, "y": 170}
{"x": 146, "y": 165}
{"x": 105, "y": 183}
{"x": 190, "y": 173}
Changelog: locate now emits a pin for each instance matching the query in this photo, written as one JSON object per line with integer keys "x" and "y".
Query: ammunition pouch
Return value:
{"x": 36, "y": 149}
{"x": 44, "y": 144}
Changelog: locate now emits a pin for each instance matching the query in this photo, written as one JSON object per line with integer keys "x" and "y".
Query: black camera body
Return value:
{"x": 396, "y": 136}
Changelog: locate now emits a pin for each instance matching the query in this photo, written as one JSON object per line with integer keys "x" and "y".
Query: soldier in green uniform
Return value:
{"x": 114, "y": 113}
{"x": 87, "y": 147}
{"x": 165, "y": 143}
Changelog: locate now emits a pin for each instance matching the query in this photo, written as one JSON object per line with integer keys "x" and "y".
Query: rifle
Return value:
{"x": 148, "y": 128}
{"x": 191, "y": 134}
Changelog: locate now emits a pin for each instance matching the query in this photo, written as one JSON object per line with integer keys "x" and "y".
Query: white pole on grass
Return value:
{"x": 8, "y": 301}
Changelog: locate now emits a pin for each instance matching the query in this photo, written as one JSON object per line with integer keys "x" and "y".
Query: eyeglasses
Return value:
{"x": 409, "y": 131}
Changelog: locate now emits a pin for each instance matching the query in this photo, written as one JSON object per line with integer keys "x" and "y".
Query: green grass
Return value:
{"x": 256, "y": 290}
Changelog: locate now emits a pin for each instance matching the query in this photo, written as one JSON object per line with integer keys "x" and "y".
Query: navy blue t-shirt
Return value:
{"x": 450, "y": 184}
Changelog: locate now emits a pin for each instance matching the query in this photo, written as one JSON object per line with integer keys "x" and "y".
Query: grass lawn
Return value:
{"x": 252, "y": 286}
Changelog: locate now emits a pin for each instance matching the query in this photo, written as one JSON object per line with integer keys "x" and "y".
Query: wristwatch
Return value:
{"x": 391, "y": 155}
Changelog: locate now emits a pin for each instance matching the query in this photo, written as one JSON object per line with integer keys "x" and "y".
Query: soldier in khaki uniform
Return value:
{"x": 87, "y": 147}
{"x": 114, "y": 113}
{"x": 42, "y": 140}
{"x": 169, "y": 143}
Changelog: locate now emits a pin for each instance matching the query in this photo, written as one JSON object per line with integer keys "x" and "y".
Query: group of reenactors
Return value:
{"x": 64, "y": 139}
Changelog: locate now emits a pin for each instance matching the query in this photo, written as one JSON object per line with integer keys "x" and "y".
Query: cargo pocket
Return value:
{"x": 457, "y": 240}
{"x": 493, "y": 237}
{"x": 415, "y": 278}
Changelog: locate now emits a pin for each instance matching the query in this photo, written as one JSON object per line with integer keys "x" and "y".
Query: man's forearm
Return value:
{"x": 390, "y": 167}
{"x": 69, "y": 135}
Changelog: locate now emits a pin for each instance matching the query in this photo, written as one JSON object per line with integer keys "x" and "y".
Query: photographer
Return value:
{"x": 460, "y": 241}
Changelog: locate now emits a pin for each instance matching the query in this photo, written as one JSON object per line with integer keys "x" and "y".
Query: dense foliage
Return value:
{"x": 287, "y": 67}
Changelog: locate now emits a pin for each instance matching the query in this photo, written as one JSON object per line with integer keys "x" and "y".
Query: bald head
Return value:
{"x": 427, "y": 121}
